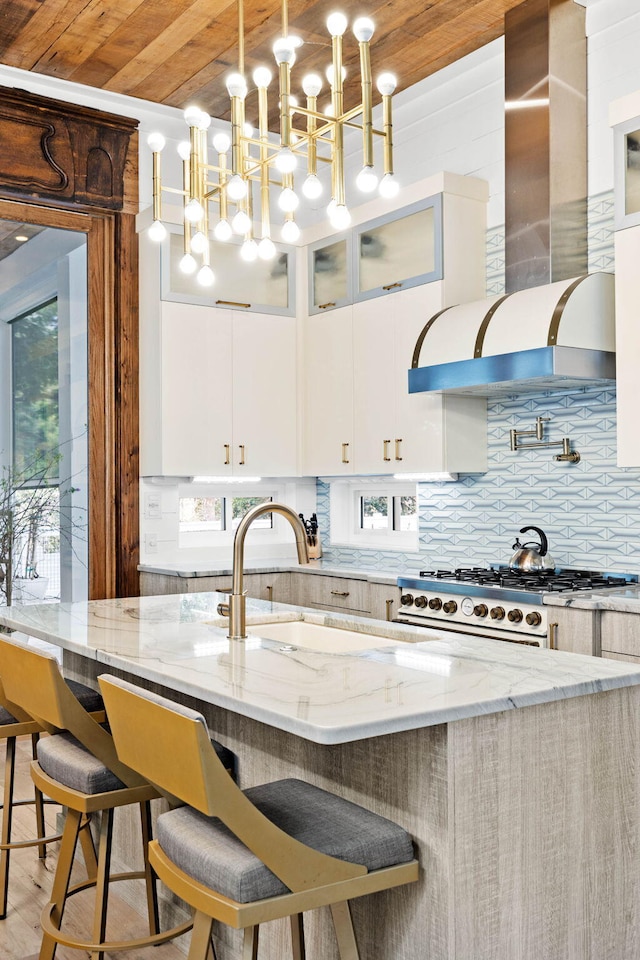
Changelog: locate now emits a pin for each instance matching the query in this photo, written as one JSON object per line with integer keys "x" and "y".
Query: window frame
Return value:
{"x": 189, "y": 540}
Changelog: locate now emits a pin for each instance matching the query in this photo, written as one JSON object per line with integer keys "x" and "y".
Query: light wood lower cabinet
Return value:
{"x": 384, "y": 601}
{"x": 576, "y": 631}
{"x": 620, "y": 635}
{"x": 608, "y": 633}
{"x": 330, "y": 593}
{"x": 262, "y": 586}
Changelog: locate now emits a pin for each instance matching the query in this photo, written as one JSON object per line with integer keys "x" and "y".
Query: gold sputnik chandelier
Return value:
{"x": 222, "y": 193}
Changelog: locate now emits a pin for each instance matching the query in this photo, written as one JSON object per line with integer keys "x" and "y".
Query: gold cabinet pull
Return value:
{"x": 385, "y": 451}
{"x": 227, "y": 454}
{"x": 241, "y": 460}
{"x": 233, "y": 303}
{"x": 397, "y": 443}
{"x": 325, "y": 306}
{"x": 345, "y": 450}
{"x": 339, "y": 593}
{"x": 389, "y": 604}
{"x": 391, "y": 286}
{"x": 269, "y": 590}
{"x": 553, "y": 636}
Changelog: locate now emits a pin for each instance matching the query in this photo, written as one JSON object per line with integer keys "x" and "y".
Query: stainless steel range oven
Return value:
{"x": 494, "y": 601}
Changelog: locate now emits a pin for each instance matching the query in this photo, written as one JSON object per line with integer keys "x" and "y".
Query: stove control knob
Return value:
{"x": 450, "y": 606}
{"x": 497, "y": 613}
{"x": 480, "y": 610}
{"x": 421, "y": 602}
{"x": 515, "y": 616}
{"x": 533, "y": 619}
{"x": 435, "y": 603}
{"x": 406, "y": 599}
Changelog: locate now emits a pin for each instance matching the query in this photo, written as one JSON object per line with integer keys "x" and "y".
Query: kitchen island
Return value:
{"x": 513, "y": 768}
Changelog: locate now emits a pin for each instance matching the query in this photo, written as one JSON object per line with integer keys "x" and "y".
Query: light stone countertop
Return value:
{"x": 622, "y": 599}
{"x": 172, "y": 568}
{"x": 179, "y": 642}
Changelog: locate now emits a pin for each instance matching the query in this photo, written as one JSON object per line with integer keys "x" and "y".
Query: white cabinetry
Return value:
{"x": 227, "y": 394}
{"x": 359, "y": 417}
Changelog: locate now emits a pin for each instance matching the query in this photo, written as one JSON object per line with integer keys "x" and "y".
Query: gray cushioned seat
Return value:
{"x": 207, "y": 851}
{"x": 64, "y": 759}
{"x": 90, "y": 700}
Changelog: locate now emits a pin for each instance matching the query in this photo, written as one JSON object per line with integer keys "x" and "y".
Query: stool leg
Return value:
{"x": 250, "y": 943}
{"x": 297, "y": 937}
{"x": 102, "y": 881}
{"x": 39, "y": 803}
{"x": 200, "y": 945}
{"x": 149, "y": 876}
{"x": 7, "y": 817}
{"x": 88, "y": 848}
{"x": 61, "y": 879}
{"x": 345, "y": 935}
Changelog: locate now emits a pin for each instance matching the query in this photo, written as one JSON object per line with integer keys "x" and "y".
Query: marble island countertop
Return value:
{"x": 623, "y": 599}
{"x": 385, "y": 686}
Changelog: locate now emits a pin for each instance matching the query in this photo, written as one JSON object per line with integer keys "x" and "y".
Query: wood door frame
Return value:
{"x": 112, "y": 389}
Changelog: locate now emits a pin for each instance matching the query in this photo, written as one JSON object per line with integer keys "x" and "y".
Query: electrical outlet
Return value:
{"x": 151, "y": 543}
{"x": 153, "y": 507}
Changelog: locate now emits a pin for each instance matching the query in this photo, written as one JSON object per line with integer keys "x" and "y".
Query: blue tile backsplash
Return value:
{"x": 590, "y": 511}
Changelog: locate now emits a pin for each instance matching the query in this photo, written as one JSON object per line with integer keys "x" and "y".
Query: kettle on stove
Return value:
{"x": 531, "y": 557}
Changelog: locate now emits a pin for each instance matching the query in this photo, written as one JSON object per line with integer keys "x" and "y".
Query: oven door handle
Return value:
{"x": 484, "y": 634}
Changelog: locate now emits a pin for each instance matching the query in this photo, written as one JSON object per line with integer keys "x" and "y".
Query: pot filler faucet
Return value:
{"x": 236, "y": 608}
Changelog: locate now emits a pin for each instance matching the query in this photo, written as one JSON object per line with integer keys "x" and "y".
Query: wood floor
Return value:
{"x": 29, "y": 883}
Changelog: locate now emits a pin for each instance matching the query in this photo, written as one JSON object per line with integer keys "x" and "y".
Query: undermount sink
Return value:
{"x": 315, "y": 636}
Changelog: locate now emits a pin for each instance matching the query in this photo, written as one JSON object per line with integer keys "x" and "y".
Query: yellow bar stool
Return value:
{"x": 79, "y": 768}
{"x": 246, "y": 857}
{"x": 15, "y": 723}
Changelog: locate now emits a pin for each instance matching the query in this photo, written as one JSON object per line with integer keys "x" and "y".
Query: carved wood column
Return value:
{"x": 72, "y": 167}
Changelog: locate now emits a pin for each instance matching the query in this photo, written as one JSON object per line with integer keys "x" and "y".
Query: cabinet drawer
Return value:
{"x": 338, "y": 593}
{"x": 620, "y": 633}
{"x": 607, "y": 655}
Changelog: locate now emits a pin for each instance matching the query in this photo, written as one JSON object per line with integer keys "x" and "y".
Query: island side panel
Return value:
{"x": 402, "y": 776}
{"x": 544, "y": 822}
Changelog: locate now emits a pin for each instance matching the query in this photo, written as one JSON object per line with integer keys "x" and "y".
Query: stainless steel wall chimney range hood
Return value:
{"x": 555, "y": 327}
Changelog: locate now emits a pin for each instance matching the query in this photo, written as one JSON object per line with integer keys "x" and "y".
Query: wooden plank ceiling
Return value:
{"x": 178, "y": 51}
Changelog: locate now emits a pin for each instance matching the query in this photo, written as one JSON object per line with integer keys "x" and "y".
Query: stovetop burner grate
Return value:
{"x": 546, "y": 581}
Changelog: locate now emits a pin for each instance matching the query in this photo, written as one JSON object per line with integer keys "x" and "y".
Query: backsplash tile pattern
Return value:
{"x": 590, "y": 511}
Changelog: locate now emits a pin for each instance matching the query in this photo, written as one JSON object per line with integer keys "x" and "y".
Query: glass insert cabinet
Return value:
{"x": 396, "y": 251}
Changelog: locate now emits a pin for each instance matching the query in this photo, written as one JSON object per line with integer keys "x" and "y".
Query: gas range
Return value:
{"x": 493, "y": 601}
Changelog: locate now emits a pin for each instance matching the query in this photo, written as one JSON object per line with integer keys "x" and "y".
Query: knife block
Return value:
{"x": 315, "y": 549}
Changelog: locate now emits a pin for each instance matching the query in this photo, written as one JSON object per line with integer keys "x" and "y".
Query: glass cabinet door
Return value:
{"x": 329, "y": 275}
{"x": 264, "y": 286}
{"x": 400, "y": 250}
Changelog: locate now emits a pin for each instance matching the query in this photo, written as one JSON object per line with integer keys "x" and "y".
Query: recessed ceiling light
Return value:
{"x": 21, "y": 238}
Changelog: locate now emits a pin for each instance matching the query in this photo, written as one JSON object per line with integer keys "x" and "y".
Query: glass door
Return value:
{"x": 44, "y": 542}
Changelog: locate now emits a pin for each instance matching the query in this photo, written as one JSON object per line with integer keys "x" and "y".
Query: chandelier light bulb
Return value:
{"x": 288, "y": 201}
{"x": 198, "y": 242}
{"x": 290, "y": 232}
{"x": 192, "y": 116}
{"x": 312, "y": 187}
{"x": 329, "y": 74}
{"x": 262, "y": 77}
{"x": 386, "y": 84}
{"x": 363, "y": 29}
{"x": 237, "y": 187}
{"x": 389, "y": 187}
{"x": 367, "y": 180}
{"x": 204, "y": 121}
{"x": 184, "y": 149}
{"x": 247, "y": 130}
{"x": 312, "y": 84}
{"x": 337, "y": 24}
{"x": 206, "y": 276}
{"x": 284, "y": 49}
{"x": 266, "y": 249}
{"x": 222, "y": 231}
{"x": 249, "y": 251}
{"x": 188, "y": 265}
{"x": 221, "y": 142}
{"x": 194, "y": 211}
{"x": 241, "y": 222}
{"x": 157, "y": 231}
{"x": 236, "y": 85}
{"x": 340, "y": 218}
{"x": 328, "y": 110}
{"x": 286, "y": 160}
{"x": 156, "y": 142}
